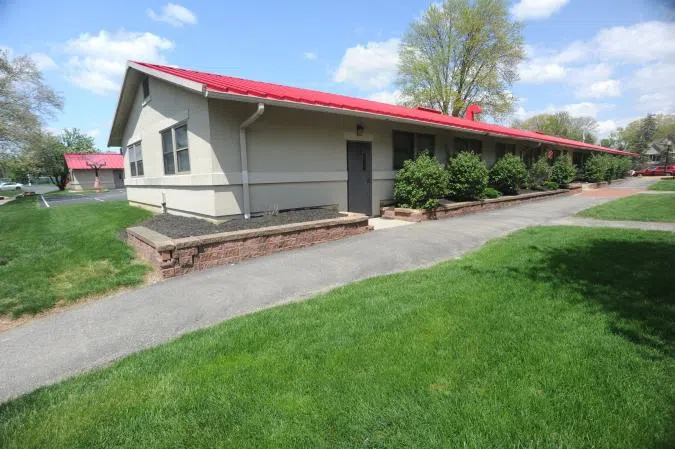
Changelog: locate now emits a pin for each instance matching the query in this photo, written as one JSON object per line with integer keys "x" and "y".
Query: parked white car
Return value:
{"x": 11, "y": 186}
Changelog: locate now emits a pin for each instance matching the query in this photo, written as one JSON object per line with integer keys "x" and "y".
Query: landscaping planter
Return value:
{"x": 456, "y": 209}
{"x": 174, "y": 257}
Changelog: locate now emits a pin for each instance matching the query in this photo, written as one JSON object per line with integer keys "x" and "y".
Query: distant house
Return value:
{"x": 216, "y": 146}
{"x": 656, "y": 153}
{"x": 83, "y": 168}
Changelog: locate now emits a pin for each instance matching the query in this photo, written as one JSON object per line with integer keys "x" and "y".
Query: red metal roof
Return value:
{"x": 257, "y": 89}
{"x": 77, "y": 161}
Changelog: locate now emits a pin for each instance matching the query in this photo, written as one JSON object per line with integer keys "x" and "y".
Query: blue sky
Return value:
{"x": 613, "y": 59}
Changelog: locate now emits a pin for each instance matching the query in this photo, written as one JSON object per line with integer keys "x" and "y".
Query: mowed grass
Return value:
{"x": 556, "y": 337}
{"x": 642, "y": 207}
{"x": 63, "y": 253}
{"x": 667, "y": 185}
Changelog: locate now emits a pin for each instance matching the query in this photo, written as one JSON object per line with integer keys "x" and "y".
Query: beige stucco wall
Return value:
{"x": 296, "y": 158}
{"x": 170, "y": 105}
{"x": 85, "y": 179}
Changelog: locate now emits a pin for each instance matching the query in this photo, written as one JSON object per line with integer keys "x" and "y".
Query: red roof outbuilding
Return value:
{"x": 106, "y": 161}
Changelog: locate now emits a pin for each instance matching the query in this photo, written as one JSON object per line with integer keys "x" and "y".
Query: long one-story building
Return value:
{"x": 216, "y": 146}
{"x": 84, "y": 167}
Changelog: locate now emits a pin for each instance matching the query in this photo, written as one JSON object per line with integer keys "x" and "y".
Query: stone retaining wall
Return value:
{"x": 175, "y": 257}
{"x": 456, "y": 209}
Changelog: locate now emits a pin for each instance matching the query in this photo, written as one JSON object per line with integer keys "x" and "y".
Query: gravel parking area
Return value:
{"x": 175, "y": 226}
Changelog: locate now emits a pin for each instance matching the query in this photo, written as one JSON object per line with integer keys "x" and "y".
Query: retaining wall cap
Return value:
{"x": 153, "y": 238}
{"x": 163, "y": 243}
{"x": 465, "y": 204}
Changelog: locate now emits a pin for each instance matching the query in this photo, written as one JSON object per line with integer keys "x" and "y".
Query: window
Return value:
{"x": 578, "y": 158}
{"x": 501, "y": 149}
{"x": 167, "y": 150}
{"x": 409, "y": 145}
{"x": 135, "y": 159}
{"x": 468, "y": 145}
{"x": 146, "y": 88}
{"x": 175, "y": 150}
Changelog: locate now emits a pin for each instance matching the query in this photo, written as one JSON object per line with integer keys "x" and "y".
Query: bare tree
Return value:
{"x": 25, "y": 102}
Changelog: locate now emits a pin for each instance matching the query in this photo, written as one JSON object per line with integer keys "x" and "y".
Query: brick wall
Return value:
{"x": 201, "y": 256}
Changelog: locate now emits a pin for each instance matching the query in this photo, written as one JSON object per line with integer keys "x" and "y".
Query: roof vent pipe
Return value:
{"x": 471, "y": 111}
{"x": 244, "y": 157}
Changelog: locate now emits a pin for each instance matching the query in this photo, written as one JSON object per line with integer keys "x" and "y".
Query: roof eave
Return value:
{"x": 217, "y": 94}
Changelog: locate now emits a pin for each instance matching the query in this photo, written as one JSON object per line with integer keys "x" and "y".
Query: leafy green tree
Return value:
{"x": 461, "y": 52}
{"x": 640, "y": 133}
{"x": 76, "y": 142}
{"x": 420, "y": 183}
{"x": 561, "y": 124}
{"x": 46, "y": 153}
{"x": 25, "y": 102}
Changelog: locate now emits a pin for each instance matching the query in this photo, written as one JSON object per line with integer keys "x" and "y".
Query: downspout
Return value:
{"x": 244, "y": 157}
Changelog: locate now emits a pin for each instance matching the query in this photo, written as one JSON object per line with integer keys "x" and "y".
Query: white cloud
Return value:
{"x": 585, "y": 109}
{"x": 536, "y": 9}
{"x": 93, "y": 132}
{"x": 310, "y": 55}
{"x": 98, "y": 61}
{"x": 369, "y": 67}
{"x": 386, "y": 96}
{"x": 537, "y": 72}
{"x": 642, "y": 42}
{"x": 600, "y": 89}
{"x": 173, "y": 14}
{"x": 655, "y": 86}
{"x": 43, "y": 62}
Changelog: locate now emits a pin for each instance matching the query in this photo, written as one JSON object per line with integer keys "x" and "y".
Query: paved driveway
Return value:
{"x": 65, "y": 199}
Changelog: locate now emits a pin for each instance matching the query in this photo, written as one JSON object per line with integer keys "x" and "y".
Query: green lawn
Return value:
{"x": 664, "y": 185}
{"x": 556, "y": 337}
{"x": 63, "y": 253}
{"x": 642, "y": 207}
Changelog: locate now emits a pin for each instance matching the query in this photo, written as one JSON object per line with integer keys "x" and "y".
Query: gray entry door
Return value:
{"x": 359, "y": 175}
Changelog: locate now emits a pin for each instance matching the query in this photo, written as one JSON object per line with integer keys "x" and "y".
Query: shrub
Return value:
{"x": 539, "y": 173}
{"x": 563, "y": 171}
{"x": 420, "y": 183}
{"x": 491, "y": 193}
{"x": 508, "y": 174}
{"x": 551, "y": 185}
{"x": 596, "y": 168}
{"x": 468, "y": 177}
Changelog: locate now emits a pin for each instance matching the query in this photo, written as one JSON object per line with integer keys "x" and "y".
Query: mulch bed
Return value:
{"x": 175, "y": 226}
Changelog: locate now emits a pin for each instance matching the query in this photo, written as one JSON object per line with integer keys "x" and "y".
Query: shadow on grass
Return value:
{"x": 632, "y": 280}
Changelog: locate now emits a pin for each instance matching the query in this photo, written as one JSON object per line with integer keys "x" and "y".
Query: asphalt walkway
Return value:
{"x": 47, "y": 350}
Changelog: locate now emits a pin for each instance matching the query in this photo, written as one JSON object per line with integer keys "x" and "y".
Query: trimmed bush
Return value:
{"x": 539, "y": 173}
{"x": 420, "y": 183}
{"x": 563, "y": 170}
{"x": 491, "y": 193}
{"x": 468, "y": 177}
{"x": 596, "y": 168}
{"x": 508, "y": 174}
{"x": 551, "y": 185}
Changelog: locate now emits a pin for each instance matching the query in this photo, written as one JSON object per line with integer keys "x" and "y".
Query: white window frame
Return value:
{"x": 175, "y": 149}
{"x": 133, "y": 161}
